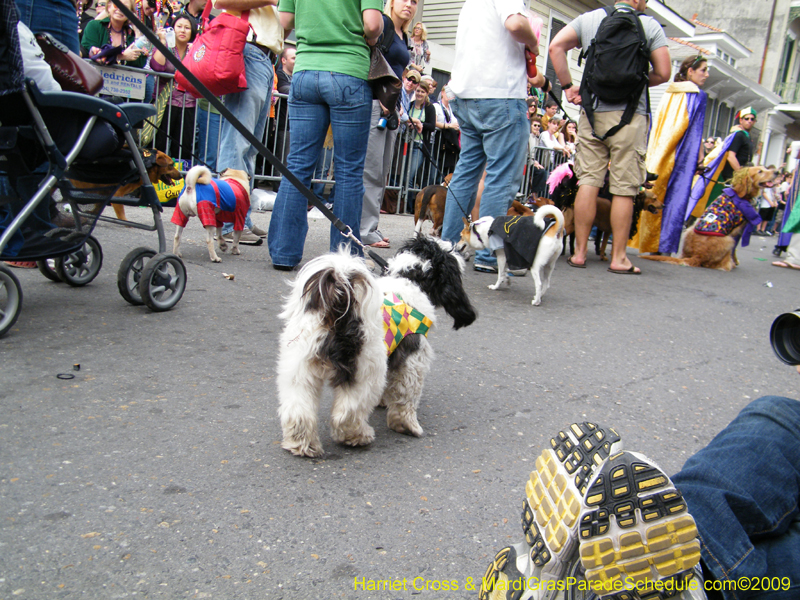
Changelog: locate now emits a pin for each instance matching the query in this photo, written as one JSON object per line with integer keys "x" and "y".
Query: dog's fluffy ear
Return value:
{"x": 437, "y": 271}
{"x": 334, "y": 296}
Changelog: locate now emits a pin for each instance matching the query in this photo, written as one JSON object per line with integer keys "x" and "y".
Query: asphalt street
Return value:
{"x": 157, "y": 471}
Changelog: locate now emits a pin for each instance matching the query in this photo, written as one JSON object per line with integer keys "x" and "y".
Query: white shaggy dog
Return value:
{"x": 335, "y": 332}
{"x": 537, "y": 245}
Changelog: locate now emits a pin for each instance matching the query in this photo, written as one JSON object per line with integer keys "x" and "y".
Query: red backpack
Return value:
{"x": 217, "y": 55}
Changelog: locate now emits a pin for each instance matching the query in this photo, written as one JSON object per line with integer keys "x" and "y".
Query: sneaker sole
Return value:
{"x": 636, "y": 526}
{"x": 552, "y": 507}
{"x": 555, "y": 490}
{"x": 503, "y": 571}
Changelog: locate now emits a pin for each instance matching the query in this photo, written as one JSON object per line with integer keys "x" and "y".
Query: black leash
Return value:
{"x": 426, "y": 153}
{"x": 345, "y": 230}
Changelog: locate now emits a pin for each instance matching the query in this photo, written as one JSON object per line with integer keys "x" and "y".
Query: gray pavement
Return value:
{"x": 157, "y": 472}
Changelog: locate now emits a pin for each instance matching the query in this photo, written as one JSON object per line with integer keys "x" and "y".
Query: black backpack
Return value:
{"x": 617, "y": 66}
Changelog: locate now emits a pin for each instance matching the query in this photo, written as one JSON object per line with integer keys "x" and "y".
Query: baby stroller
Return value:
{"x": 35, "y": 164}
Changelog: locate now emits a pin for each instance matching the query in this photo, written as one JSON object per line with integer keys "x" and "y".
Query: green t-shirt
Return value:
{"x": 330, "y": 35}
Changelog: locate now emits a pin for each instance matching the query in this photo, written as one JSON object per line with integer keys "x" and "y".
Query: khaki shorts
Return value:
{"x": 623, "y": 154}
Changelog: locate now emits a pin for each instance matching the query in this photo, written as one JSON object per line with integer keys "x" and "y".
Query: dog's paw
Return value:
{"x": 236, "y": 251}
{"x": 408, "y": 427}
{"x": 494, "y": 286}
{"x": 312, "y": 450}
{"x": 363, "y": 437}
{"x": 216, "y": 259}
{"x": 536, "y": 302}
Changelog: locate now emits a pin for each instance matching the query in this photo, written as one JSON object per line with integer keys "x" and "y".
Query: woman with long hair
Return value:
{"x": 382, "y": 134}
{"x": 329, "y": 86}
{"x": 113, "y": 30}
{"x": 178, "y": 125}
{"x": 420, "y": 53}
{"x": 673, "y": 153}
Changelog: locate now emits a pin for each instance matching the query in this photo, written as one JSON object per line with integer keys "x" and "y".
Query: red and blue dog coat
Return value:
{"x": 226, "y": 194}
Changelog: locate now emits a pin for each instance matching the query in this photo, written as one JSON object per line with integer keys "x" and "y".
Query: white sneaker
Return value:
{"x": 551, "y": 511}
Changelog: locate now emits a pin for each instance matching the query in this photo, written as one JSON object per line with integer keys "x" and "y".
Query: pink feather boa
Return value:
{"x": 558, "y": 175}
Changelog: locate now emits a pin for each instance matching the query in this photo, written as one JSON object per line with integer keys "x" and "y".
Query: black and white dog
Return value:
{"x": 366, "y": 336}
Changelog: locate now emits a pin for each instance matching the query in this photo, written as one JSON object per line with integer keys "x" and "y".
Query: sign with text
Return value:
{"x": 123, "y": 83}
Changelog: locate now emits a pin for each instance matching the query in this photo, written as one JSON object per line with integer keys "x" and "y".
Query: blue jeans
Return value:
{"x": 251, "y": 107}
{"x": 56, "y": 17}
{"x": 743, "y": 491}
{"x": 316, "y": 99}
{"x": 207, "y": 137}
{"x": 494, "y": 133}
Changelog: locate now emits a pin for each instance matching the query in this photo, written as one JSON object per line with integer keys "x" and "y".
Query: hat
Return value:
{"x": 413, "y": 76}
{"x": 746, "y": 111}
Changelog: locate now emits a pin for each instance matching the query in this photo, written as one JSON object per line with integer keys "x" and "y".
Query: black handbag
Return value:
{"x": 386, "y": 86}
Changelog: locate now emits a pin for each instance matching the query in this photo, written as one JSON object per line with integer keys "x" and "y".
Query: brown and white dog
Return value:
{"x": 161, "y": 170}
{"x": 429, "y": 206}
{"x": 214, "y": 201}
{"x": 711, "y": 242}
{"x": 494, "y": 233}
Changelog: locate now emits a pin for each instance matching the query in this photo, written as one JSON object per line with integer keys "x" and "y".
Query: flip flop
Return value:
{"x": 785, "y": 265}
{"x": 21, "y": 264}
{"x": 381, "y": 244}
{"x": 632, "y": 271}
{"x": 576, "y": 265}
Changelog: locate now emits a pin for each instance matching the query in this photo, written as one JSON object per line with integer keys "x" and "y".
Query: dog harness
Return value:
{"x": 400, "y": 320}
{"x": 725, "y": 214}
{"x": 227, "y": 195}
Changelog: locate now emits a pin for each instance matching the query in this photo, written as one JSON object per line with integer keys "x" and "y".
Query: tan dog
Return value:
{"x": 429, "y": 206}
{"x": 163, "y": 170}
{"x": 718, "y": 250}
{"x": 646, "y": 200}
{"x": 223, "y": 200}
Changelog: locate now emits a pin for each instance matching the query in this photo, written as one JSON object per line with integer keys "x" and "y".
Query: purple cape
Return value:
{"x": 680, "y": 180}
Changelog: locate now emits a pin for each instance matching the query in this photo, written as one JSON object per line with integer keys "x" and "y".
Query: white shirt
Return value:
{"x": 489, "y": 63}
{"x": 440, "y": 114}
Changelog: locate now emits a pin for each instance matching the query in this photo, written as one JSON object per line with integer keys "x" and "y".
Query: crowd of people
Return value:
{"x": 424, "y": 139}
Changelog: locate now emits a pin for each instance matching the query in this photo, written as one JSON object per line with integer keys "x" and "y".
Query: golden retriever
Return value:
{"x": 718, "y": 251}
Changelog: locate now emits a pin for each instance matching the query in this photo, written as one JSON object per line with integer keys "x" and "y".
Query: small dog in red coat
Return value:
{"x": 214, "y": 201}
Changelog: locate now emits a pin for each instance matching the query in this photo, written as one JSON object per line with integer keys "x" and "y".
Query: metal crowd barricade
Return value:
{"x": 411, "y": 168}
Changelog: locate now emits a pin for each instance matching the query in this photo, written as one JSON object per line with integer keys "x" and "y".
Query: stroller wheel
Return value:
{"x": 82, "y": 266}
{"x": 129, "y": 274}
{"x": 47, "y": 267}
{"x": 10, "y": 299}
{"x": 163, "y": 282}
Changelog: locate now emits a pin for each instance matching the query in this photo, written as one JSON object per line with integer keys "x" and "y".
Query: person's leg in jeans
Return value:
{"x": 251, "y": 108}
{"x": 469, "y": 169}
{"x": 56, "y": 17}
{"x": 743, "y": 491}
{"x": 309, "y": 116}
{"x": 207, "y": 136}
{"x": 350, "y": 101}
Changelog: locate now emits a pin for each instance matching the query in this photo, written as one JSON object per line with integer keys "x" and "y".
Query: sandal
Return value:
{"x": 382, "y": 244}
{"x": 21, "y": 264}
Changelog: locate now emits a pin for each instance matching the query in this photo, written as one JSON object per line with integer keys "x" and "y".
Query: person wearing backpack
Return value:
{"x": 620, "y": 45}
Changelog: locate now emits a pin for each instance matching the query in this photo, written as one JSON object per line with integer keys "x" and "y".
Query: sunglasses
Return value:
{"x": 748, "y": 118}
{"x": 709, "y": 141}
